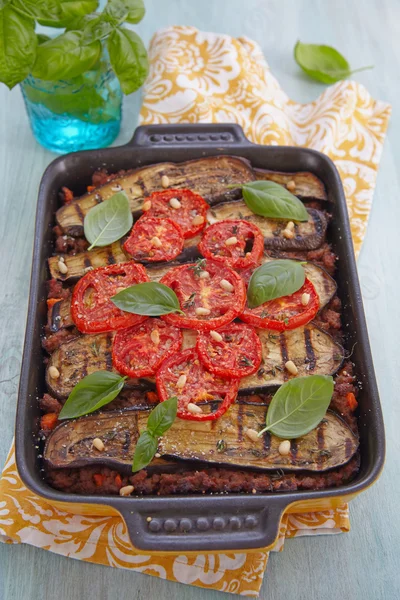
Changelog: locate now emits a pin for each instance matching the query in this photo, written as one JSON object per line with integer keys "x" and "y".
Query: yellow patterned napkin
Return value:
{"x": 207, "y": 77}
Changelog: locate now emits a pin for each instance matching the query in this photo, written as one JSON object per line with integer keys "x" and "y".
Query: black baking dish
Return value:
{"x": 212, "y": 523}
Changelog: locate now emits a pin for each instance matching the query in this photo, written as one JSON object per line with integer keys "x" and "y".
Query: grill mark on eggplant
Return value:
{"x": 110, "y": 257}
{"x": 294, "y": 448}
{"x": 309, "y": 350}
{"x": 348, "y": 448}
{"x": 321, "y": 442}
{"x": 284, "y": 354}
{"x": 127, "y": 441}
{"x": 240, "y": 422}
{"x": 79, "y": 212}
{"x": 87, "y": 262}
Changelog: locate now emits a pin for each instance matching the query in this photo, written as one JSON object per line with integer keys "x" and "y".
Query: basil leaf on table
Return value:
{"x": 323, "y": 63}
{"x": 274, "y": 279}
{"x": 91, "y": 393}
{"x": 128, "y": 59}
{"x": 108, "y": 221}
{"x": 298, "y": 406}
{"x": 162, "y": 417}
{"x": 18, "y": 44}
{"x": 160, "y": 420}
{"x": 71, "y": 10}
{"x": 39, "y": 8}
{"x": 65, "y": 57}
{"x": 151, "y": 299}
{"x": 269, "y": 199}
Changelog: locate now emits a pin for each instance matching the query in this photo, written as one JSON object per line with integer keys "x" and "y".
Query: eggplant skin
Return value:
{"x": 308, "y": 185}
{"x": 224, "y": 441}
{"x": 210, "y": 177}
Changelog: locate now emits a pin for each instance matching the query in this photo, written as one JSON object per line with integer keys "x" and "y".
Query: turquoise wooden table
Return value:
{"x": 365, "y": 563}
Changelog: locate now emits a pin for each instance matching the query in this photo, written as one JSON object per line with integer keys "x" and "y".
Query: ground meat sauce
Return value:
{"x": 104, "y": 480}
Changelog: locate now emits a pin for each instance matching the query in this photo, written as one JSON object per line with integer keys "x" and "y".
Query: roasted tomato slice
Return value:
{"x": 138, "y": 351}
{"x": 184, "y": 207}
{"x": 285, "y": 313}
{"x": 234, "y": 243}
{"x": 209, "y": 294}
{"x": 91, "y": 307}
{"x": 153, "y": 239}
{"x": 232, "y": 351}
{"x": 183, "y": 375}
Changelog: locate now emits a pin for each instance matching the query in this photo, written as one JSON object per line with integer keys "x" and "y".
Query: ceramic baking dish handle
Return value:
{"x": 212, "y": 134}
{"x": 225, "y": 525}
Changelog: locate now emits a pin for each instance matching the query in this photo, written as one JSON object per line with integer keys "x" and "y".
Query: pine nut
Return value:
{"x": 54, "y": 372}
{"x": 201, "y": 311}
{"x": 148, "y": 519}
{"x": 204, "y": 274}
{"x": 126, "y": 490}
{"x": 252, "y": 435}
{"x": 288, "y": 234}
{"x": 216, "y": 336}
{"x": 165, "y": 181}
{"x": 155, "y": 337}
{"x": 98, "y": 444}
{"x": 198, "y": 220}
{"x": 231, "y": 241}
{"x": 194, "y": 409}
{"x": 61, "y": 259}
{"x": 305, "y": 299}
{"x": 291, "y": 185}
{"x": 156, "y": 242}
{"x": 157, "y": 455}
{"x": 181, "y": 382}
{"x": 174, "y": 203}
{"x": 116, "y": 188}
{"x": 290, "y": 226}
{"x": 146, "y": 205}
{"x": 62, "y": 267}
{"x": 284, "y": 448}
{"x": 291, "y": 367}
{"x": 226, "y": 285}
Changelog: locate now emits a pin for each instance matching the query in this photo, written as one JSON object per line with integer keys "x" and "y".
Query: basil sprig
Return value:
{"x": 269, "y": 199}
{"x": 298, "y": 406}
{"x": 108, "y": 221}
{"x": 160, "y": 420}
{"x": 274, "y": 279}
{"x": 151, "y": 299}
{"x": 91, "y": 393}
{"x": 78, "y": 49}
{"x": 323, "y": 63}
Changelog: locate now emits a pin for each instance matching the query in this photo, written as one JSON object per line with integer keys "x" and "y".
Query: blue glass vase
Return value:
{"x": 77, "y": 114}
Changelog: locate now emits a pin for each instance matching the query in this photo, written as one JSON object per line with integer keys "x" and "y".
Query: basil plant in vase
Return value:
{"x": 72, "y": 83}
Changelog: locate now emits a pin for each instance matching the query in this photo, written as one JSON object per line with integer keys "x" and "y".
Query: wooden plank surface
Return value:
{"x": 363, "y": 564}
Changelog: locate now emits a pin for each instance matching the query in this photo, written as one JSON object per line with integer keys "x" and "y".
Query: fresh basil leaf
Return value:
{"x": 4, "y": 3}
{"x": 37, "y": 9}
{"x": 97, "y": 29}
{"x": 151, "y": 298}
{"x": 145, "y": 450}
{"x": 323, "y": 63}
{"x": 42, "y": 38}
{"x": 65, "y": 57}
{"x": 269, "y": 199}
{"x": 91, "y": 393}
{"x": 298, "y": 406}
{"x": 131, "y": 11}
{"x": 18, "y": 44}
{"x": 273, "y": 280}
{"x": 108, "y": 221}
{"x": 71, "y": 11}
{"x": 162, "y": 417}
{"x": 128, "y": 58}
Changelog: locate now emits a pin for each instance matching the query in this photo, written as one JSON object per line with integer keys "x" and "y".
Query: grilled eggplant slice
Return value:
{"x": 312, "y": 350}
{"x": 308, "y": 186}
{"x": 222, "y": 442}
{"x": 209, "y": 177}
{"x": 325, "y": 285}
{"x": 308, "y": 236}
